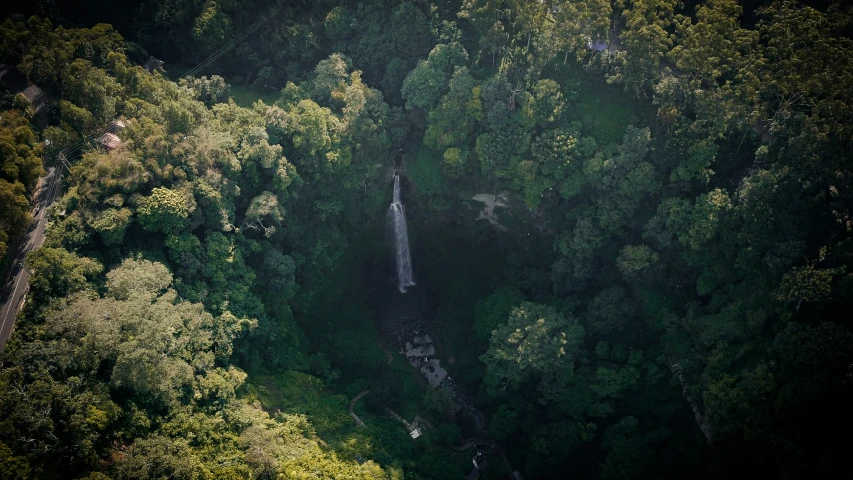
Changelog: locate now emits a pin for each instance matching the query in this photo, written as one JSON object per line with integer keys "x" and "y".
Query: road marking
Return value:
{"x": 11, "y": 302}
{"x": 32, "y": 239}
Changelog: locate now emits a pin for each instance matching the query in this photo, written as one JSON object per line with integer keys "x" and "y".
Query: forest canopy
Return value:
{"x": 630, "y": 227}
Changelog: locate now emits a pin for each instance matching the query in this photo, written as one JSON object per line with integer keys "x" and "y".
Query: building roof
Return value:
{"x": 110, "y": 141}
{"x": 115, "y": 126}
{"x": 153, "y": 64}
{"x": 33, "y": 94}
{"x": 14, "y": 80}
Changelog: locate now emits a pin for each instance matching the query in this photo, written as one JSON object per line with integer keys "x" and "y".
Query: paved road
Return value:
{"x": 15, "y": 288}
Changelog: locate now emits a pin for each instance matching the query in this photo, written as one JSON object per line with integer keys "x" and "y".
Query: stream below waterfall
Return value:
{"x": 406, "y": 320}
{"x": 421, "y": 273}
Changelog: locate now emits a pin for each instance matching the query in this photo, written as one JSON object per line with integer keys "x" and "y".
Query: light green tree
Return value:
{"x": 166, "y": 210}
{"x": 535, "y": 343}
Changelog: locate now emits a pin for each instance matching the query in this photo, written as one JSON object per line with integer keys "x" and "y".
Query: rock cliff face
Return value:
{"x": 698, "y": 412}
{"x": 490, "y": 202}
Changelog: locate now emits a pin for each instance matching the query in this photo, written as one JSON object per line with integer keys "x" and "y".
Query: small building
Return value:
{"x": 35, "y": 96}
{"x": 109, "y": 141}
{"x": 115, "y": 126}
{"x": 153, "y": 65}
{"x": 16, "y": 82}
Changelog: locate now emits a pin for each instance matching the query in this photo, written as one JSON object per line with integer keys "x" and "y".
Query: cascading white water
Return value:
{"x": 401, "y": 240}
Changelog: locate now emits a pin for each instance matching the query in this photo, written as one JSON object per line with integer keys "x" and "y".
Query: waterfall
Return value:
{"x": 401, "y": 240}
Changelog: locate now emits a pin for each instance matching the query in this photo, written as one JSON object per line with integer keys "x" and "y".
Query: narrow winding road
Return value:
{"x": 15, "y": 286}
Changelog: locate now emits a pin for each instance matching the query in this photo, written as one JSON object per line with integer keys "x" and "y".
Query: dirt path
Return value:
{"x": 352, "y": 404}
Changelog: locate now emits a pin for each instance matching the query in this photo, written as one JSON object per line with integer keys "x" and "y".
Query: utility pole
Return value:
{"x": 64, "y": 161}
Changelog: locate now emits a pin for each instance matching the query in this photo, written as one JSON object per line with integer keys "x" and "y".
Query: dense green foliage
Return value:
{"x": 21, "y": 167}
{"x": 660, "y": 292}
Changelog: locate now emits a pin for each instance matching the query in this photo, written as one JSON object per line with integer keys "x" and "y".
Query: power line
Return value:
{"x": 224, "y": 68}
{"x": 62, "y": 161}
{"x": 83, "y": 141}
{"x": 228, "y": 46}
{"x": 211, "y": 60}
{"x": 80, "y": 144}
{"x": 215, "y": 56}
{"x": 198, "y": 68}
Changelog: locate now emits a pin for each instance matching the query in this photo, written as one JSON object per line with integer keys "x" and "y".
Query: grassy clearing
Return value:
{"x": 605, "y": 110}
{"x": 243, "y": 94}
{"x": 300, "y": 393}
{"x": 383, "y": 439}
{"x": 246, "y": 95}
{"x": 358, "y": 362}
{"x": 176, "y": 70}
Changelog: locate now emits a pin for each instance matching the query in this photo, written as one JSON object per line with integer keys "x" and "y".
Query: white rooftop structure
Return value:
{"x": 596, "y": 45}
